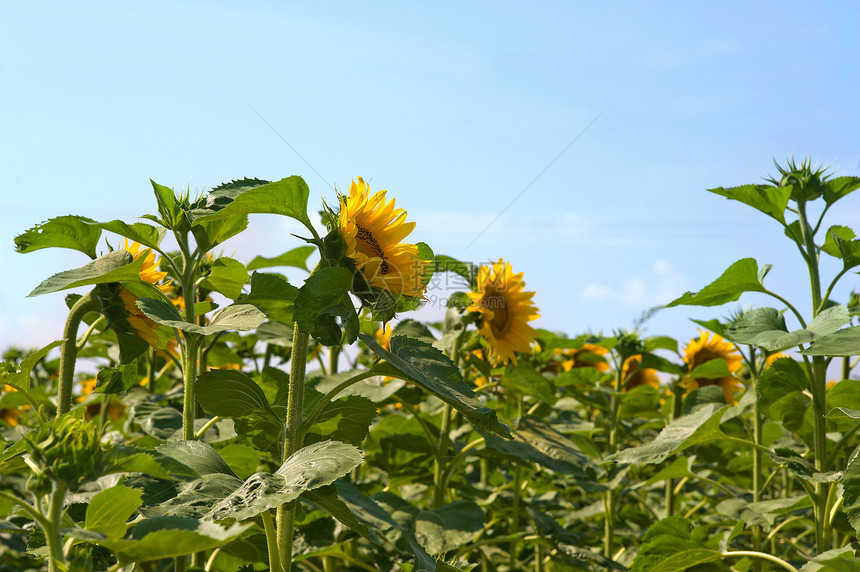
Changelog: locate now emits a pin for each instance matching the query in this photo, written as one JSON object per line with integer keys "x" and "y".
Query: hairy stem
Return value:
{"x": 286, "y": 513}
{"x": 69, "y": 350}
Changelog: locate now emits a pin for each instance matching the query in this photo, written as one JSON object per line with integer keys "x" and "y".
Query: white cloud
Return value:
{"x": 660, "y": 285}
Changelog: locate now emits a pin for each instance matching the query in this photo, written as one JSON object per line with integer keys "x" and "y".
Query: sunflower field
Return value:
{"x": 198, "y": 412}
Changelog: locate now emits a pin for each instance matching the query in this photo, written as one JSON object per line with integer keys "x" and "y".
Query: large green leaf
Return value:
{"x": 196, "y": 455}
{"x": 765, "y": 328}
{"x": 742, "y": 276}
{"x": 783, "y": 394}
{"x": 288, "y": 197}
{"x": 227, "y": 277}
{"x": 230, "y": 393}
{"x": 700, "y": 426}
{"x": 143, "y": 233}
{"x": 313, "y": 466}
{"x": 537, "y": 442}
{"x": 422, "y": 364}
{"x": 323, "y": 297}
{"x": 116, "y": 266}
{"x": 239, "y": 316}
{"x": 172, "y": 215}
{"x": 297, "y": 258}
{"x": 669, "y": 546}
{"x": 169, "y": 536}
{"x": 449, "y": 527}
{"x": 272, "y": 294}
{"x": 843, "y": 343}
{"x": 851, "y": 494}
{"x": 75, "y": 232}
{"x": 346, "y": 419}
{"x": 326, "y": 498}
{"x": 526, "y": 380}
{"x": 838, "y": 187}
{"x": 768, "y": 199}
{"x": 108, "y": 512}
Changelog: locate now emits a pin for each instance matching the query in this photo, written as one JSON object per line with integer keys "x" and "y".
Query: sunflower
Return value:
{"x": 634, "y": 375}
{"x": 383, "y": 337}
{"x": 373, "y": 230}
{"x": 589, "y": 355}
{"x": 506, "y": 311}
{"x": 149, "y": 271}
{"x": 704, "y": 349}
{"x": 139, "y": 322}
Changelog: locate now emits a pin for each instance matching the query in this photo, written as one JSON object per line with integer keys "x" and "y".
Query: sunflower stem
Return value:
{"x": 286, "y": 513}
{"x": 818, "y": 382}
{"x": 69, "y": 351}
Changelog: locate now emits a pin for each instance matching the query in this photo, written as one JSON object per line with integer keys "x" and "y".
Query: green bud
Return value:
{"x": 67, "y": 451}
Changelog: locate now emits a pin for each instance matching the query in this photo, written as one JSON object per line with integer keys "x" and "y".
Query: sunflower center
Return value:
{"x": 501, "y": 321}
{"x": 371, "y": 246}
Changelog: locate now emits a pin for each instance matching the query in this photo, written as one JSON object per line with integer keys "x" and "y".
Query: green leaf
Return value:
{"x": 324, "y": 296}
{"x": 526, "y": 380}
{"x": 296, "y": 258}
{"x": 272, "y": 294}
{"x": 768, "y": 199}
{"x": 740, "y": 277}
{"x": 172, "y": 215}
{"x": 145, "y": 234}
{"x": 230, "y": 393}
{"x": 466, "y": 270}
{"x": 765, "y": 327}
{"x": 75, "y": 232}
{"x": 843, "y": 343}
{"x": 194, "y": 499}
{"x": 697, "y": 427}
{"x": 834, "y": 233}
{"x": 239, "y": 316}
{"x": 20, "y": 378}
{"x": 712, "y": 369}
{"x": 680, "y": 468}
{"x": 313, "y": 466}
{"x": 422, "y": 364}
{"x": 782, "y": 391}
{"x": 449, "y": 527}
{"x": 537, "y": 442}
{"x": 668, "y": 546}
{"x": 851, "y": 494}
{"x": 326, "y": 499}
{"x": 276, "y": 334}
{"x": 838, "y": 187}
{"x": 227, "y": 277}
{"x": 108, "y": 512}
{"x": 288, "y": 197}
{"x": 212, "y": 233}
{"x": 346, "y": 419}
{"x": 116, "y": 266}
{"x": 169, "y": 536}
{"x": 196, "y": 455}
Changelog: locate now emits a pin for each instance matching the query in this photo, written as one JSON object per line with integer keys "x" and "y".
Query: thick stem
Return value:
{"x": 286, "y": 513}
{"x": 69, "y": 351}
{"x": 757, "y": 465}
{"x": 56, "y": 557}
{"x": 439, "y": 466}
{"x": 189, "y": 377}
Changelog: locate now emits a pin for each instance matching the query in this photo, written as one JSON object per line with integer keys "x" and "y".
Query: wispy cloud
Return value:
{"x": 659, "y": 285}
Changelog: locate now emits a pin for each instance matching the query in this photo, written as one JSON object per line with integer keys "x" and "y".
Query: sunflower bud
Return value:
{"x": 806, "y": 183}
{"x": 68, "y": 451}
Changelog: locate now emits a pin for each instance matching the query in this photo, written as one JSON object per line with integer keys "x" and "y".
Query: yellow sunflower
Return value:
{"x": 383, "y": 337}
{"x": 506, "y": 311}
{"x": 149, "y": 271}
{"x": 373, "y": 230}
{"x": 634, "y": 375}
{"x": 142, "y": 326}
{"x": 589, "y": 355}
{"x": 704, "y": 349}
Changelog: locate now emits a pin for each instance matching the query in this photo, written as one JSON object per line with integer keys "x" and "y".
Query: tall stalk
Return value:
{"x": 818, "y": 383}
{"x": 286, "y": 513}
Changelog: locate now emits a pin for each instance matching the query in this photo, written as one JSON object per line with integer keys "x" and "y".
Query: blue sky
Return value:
{"x": 454, "y": 109}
